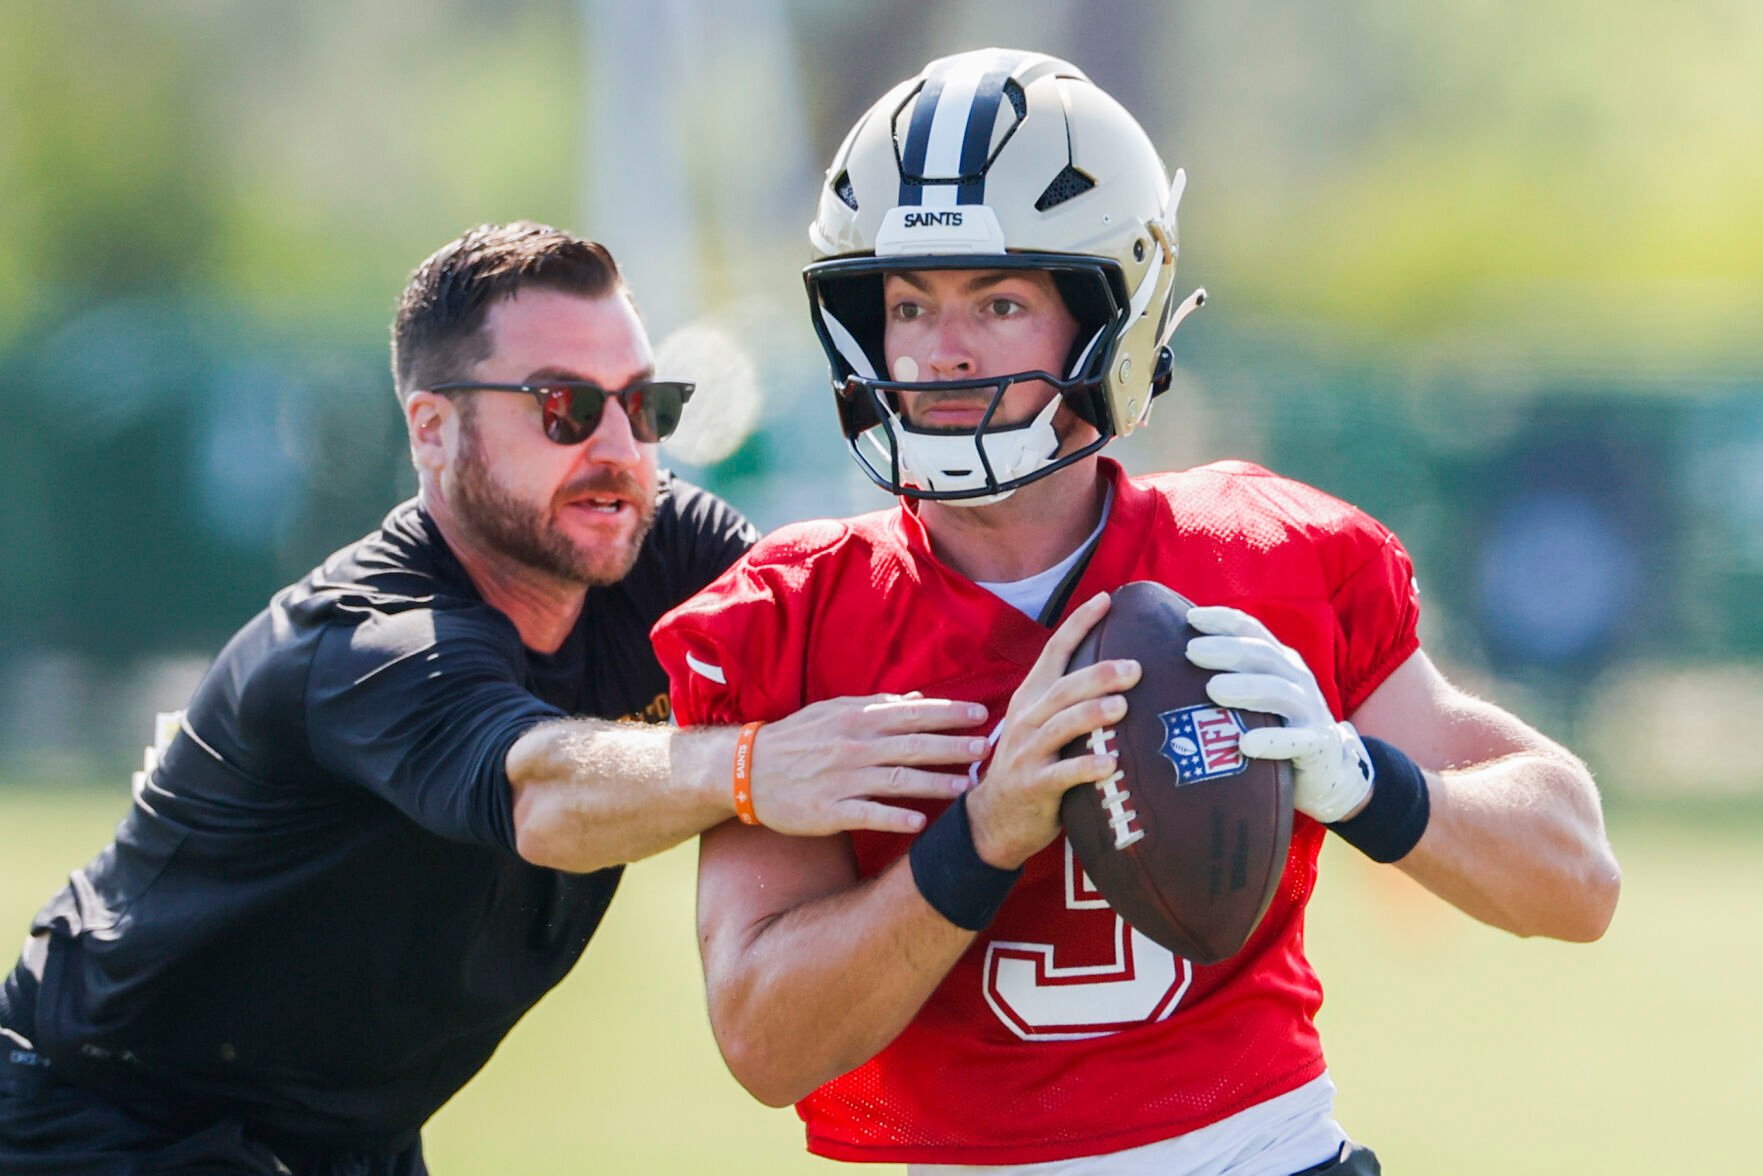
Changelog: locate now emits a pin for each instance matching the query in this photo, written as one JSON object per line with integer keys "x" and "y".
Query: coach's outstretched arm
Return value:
{"x": 811, "y": 972}
{"x": 1516, "y": 833}
{"x": 589, "y": 794}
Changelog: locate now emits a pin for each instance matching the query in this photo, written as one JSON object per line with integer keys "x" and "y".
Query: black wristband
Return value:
{"x": 954, "y": 879}
{"x": 1391, "y": 824}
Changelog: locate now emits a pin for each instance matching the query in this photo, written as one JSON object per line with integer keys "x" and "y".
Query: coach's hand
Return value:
{"x": 1331, "y": 772}
{"x": 823, "y": 769}
{"x": 1015, "y": 810}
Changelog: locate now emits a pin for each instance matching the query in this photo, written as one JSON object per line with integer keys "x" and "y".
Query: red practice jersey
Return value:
{"x": 1061, "y": 1032}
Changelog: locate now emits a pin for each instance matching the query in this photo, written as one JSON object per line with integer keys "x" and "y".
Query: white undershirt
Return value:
{"x": 1029, "y": 596}
{"x": 1285, "y": 1134}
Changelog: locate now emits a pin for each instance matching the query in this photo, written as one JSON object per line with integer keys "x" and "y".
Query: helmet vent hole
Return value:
{"x": 843, "y": 189}
{"x": 1066, "y": 185}
{"x": 1018, "y": 100}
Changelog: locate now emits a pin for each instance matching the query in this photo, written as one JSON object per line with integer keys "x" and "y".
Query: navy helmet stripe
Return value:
{"x": 918, "y": 140}
{"x": 976, "y": 143}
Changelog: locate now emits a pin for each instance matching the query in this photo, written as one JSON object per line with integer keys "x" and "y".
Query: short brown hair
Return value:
{"x": 438, "y": 332}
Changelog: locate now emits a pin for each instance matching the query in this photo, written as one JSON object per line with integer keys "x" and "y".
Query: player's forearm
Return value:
{"x": 1519, "y": 843}
{"x": 590, "y": 794}
{"x": 818, "y": 990}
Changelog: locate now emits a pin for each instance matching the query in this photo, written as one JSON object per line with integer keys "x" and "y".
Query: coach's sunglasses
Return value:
{"x": 572, "y": 408}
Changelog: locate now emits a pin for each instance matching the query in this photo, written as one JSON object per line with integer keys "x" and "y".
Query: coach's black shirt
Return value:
{"x": 313, "y": 917}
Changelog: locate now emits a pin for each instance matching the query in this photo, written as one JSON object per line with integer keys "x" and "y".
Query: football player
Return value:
{"x": 994, "y": 284}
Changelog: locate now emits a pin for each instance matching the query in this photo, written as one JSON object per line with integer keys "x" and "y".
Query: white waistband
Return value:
{"x": 1285, "y": 1134}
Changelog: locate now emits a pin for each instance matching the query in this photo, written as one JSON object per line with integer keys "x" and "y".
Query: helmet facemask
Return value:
{"x": 964, "y": 466}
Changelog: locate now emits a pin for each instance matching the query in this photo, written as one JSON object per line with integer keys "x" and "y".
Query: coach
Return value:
{"x": 375, "y": 840}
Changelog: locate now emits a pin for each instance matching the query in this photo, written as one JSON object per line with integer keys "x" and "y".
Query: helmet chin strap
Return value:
{"x": 941, "y": 462}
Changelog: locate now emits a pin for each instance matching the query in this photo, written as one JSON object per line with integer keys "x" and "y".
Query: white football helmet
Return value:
{"x": 997, "y": 159}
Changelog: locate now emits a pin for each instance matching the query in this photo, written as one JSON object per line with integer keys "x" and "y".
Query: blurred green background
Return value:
{"x": 1492, "y": 270}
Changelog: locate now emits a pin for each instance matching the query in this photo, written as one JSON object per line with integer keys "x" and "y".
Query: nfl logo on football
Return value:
{"x": 1201, "y": 741}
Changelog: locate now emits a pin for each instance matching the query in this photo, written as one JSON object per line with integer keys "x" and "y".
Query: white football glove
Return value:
{"x": 1332, "y": 774}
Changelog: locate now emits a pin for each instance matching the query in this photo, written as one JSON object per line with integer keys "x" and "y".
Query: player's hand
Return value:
{"x": 1332, "y": 774}
{"x": 822, "y": 769}
{"x": 1015, "y": 810}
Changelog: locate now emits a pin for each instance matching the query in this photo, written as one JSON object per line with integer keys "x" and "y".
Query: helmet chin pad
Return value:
{"x": 952, "y": 462}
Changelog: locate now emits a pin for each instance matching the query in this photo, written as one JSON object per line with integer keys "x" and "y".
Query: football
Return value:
{"x": 1187, "y": 840}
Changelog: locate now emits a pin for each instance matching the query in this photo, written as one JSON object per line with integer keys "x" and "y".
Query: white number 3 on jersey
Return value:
{"x": 1042, "y": 1000}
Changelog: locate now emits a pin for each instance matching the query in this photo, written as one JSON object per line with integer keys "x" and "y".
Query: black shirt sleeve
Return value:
{"x": 420, "y": 707}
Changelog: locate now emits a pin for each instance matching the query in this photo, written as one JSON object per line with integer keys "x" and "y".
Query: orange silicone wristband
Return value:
{"x": 744, "y": 774}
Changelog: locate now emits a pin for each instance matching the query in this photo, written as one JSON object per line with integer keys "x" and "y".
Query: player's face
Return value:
{"x": 967, "y": 324}
{"x": 576, "y": 512}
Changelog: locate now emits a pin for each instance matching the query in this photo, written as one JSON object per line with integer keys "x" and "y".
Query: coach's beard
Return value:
{"x": 530, "y": 534}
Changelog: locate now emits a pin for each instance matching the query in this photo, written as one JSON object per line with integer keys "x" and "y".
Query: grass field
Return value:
{"x": 1457, "y": 1049}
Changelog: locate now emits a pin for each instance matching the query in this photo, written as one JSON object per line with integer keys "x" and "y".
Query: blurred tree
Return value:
{"x": 1422, "y": 227}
